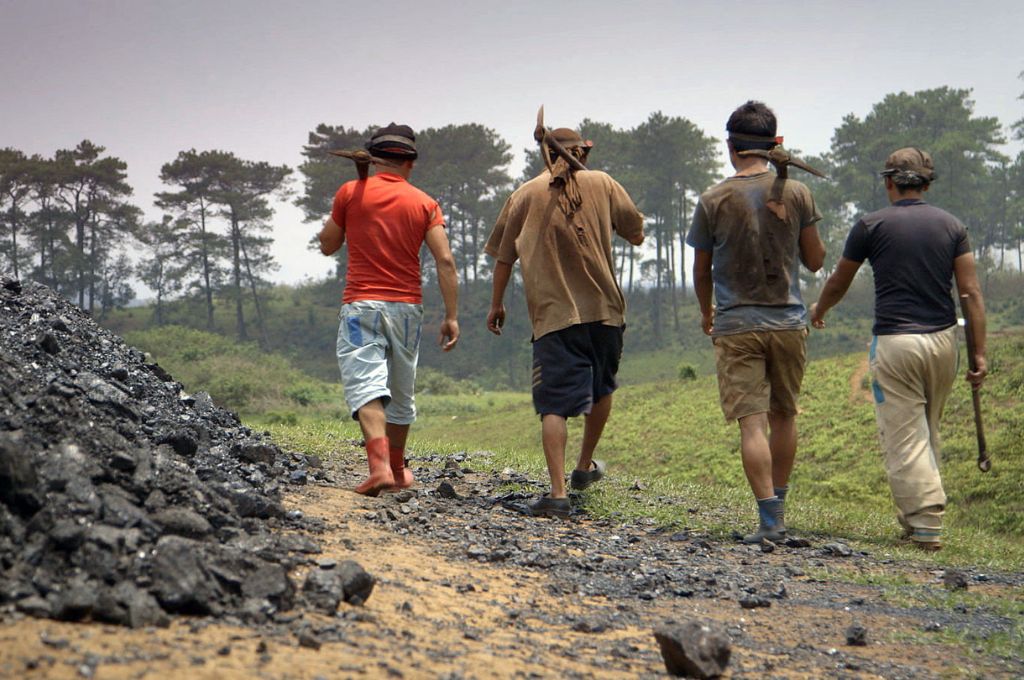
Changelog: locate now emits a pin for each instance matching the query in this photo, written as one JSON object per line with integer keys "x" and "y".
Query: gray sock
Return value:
{"x": 781, "y": 492}
{"x": 768, "y": 511}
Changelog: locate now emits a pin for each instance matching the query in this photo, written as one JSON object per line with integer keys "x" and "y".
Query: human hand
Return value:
{"x": 449, "y": 334}
{"x": 707, "y": 321}
{"x": 977, "y": 376}
{"x": 817, "y": 320}
{"x": 496, "y": 319}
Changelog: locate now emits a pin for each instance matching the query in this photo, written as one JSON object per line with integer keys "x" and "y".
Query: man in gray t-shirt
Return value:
{"x": 750, "y": 234}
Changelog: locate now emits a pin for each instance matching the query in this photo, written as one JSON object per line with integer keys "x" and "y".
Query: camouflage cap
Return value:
{"x": 909, "y": 165}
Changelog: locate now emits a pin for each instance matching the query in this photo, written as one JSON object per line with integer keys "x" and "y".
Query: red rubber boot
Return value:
{"x": 380, "y": 470}
{"x": 403, "y": 476}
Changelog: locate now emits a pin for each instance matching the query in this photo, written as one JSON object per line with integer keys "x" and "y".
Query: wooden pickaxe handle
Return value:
{"x": 984, "y": 462}
{"x": 362, "y": 160}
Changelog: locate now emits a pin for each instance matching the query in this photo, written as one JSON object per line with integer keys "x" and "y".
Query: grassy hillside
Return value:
{"x": 671, "y": 454}
{"x": 671, "y": 438}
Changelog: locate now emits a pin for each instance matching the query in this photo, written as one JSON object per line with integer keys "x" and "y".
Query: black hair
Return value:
{"x": 752, "y": 118}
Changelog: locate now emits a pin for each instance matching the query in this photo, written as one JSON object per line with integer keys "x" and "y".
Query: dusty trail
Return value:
{"x": 438, "y": 610}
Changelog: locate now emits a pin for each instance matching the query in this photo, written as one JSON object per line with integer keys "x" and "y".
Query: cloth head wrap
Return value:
{"x": 909, "y": 166}
{"x": 396, "y": 142}
{"x": 570, "y": 198}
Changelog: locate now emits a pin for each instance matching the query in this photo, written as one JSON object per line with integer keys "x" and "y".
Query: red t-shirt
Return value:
{"x": 385, "y": 220}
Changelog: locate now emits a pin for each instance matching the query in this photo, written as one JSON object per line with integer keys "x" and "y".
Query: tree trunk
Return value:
{"x": 14, "y": 238}
{"x": 236, "y": 247}
{"x": 670, "y": 259}
{"x": 205, "y": 250}
{"x": 656, "y": 307}
{"x": 632, "y": 262}
{"x": 92, "y": 266}
{"x": 256, "y": 300}
{"x": 682, "y": 244}
{"x": 80, "y": 255}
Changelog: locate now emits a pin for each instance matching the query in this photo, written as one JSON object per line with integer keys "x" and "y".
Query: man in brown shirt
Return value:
{"x": 560, "y": 225}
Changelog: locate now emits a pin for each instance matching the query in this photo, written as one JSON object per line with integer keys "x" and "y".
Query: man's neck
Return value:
{"x": 747, "y": 166}
{"x": 403, "y": 170}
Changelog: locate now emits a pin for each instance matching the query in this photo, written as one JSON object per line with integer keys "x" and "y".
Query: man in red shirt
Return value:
{"x": 385, "y": 221}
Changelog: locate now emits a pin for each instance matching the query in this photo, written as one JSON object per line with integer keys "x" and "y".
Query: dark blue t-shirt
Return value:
{"x": 911, "y": 246}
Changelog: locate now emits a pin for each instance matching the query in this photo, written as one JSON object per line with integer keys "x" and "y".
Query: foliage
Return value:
{"x": 431, "y": 381}
{"x": 687, "y": 371}
{"x": 237, "y": 375}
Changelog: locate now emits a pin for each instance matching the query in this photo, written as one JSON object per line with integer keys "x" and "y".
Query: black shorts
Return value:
{"x": 575, "y": 367}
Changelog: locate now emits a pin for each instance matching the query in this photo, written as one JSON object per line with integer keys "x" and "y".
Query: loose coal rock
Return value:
{"x": 955, "y": 580}
{"x": 694, "y": 650}
{"x": 355, "y": 581}
{"x": 754, "y": 602}
{"x": 122, "y": 499}
{"x": 856, "y": 635}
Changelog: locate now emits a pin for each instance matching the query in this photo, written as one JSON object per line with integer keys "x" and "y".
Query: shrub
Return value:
{"x": 432, "y": 381}
{"x": 687, "y": 371}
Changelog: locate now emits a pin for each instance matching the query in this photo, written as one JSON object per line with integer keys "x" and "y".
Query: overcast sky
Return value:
{"x": 147, "y": 79}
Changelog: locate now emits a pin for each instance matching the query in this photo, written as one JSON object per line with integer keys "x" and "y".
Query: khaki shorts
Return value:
{"x": 760, "y": 371}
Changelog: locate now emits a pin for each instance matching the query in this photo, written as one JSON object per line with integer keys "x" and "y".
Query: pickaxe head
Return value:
{"x": 362, "y": 160}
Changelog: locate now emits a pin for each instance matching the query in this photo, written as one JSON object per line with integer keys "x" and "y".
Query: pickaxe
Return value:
{"x": 362, "y": 160}
{"x": 547, "y": 142}
{"x": 984, "y": 463}
{"x": 781, "y": 159}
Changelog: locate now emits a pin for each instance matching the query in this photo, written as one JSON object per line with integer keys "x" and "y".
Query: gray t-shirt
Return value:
{"x": 751, "y": 225}
{"x": 911, "y": 246}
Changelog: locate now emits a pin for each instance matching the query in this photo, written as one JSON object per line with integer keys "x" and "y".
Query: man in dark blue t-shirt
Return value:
{"x": 915, "y": 250}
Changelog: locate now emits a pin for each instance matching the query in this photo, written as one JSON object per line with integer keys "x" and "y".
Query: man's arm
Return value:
{"x": 500, "y": 279}
{"x": 331, "y": 237}
{"x": 812, "y": 249}
{"x": 973, "y": 306}
{"x": 704, "y": 288}
{"x": 834, "y": 290}
{"x": 448, "y": 281}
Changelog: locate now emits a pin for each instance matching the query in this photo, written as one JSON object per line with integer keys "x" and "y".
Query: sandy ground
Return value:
{"x": 431, "y": 616}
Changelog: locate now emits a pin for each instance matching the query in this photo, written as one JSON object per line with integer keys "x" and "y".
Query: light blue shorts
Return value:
{"x": 378, "y": 347}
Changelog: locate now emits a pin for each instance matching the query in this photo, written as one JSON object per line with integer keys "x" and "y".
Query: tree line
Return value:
{"x": 68, "y": 220}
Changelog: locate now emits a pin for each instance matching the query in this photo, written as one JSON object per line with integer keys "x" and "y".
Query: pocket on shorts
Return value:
{"x": 360, "y": 327}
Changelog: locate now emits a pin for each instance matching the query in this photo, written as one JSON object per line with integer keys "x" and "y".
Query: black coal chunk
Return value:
{"x": 694, "y": 650}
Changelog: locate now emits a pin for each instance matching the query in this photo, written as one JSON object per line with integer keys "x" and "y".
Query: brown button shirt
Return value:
{"x": 567, "y": 265}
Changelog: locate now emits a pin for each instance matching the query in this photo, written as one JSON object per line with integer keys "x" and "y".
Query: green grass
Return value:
{"x": 670, "y": 436}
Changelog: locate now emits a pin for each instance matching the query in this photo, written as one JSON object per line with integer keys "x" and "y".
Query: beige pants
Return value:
{"x": 912, "y": 376}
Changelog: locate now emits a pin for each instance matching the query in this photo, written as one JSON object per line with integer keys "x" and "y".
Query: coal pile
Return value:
{"x": 122, "y": 498}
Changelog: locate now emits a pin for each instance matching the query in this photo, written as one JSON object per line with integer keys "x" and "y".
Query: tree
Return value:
{"x": 47, "y": 226}
{"x": 464, "y": 167}
{"x": 114, "y": 289}
{"x": 242, "y": 190}
{"x": 15, "y": 192}
{"x": 164, "y": 265}
{"x": 940, "y": 121}
{"x": 92, "y": 188}
{"x": 195, "y": 173}
{"x": 676, "y": 161}
{"x": 323, "y": 173}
